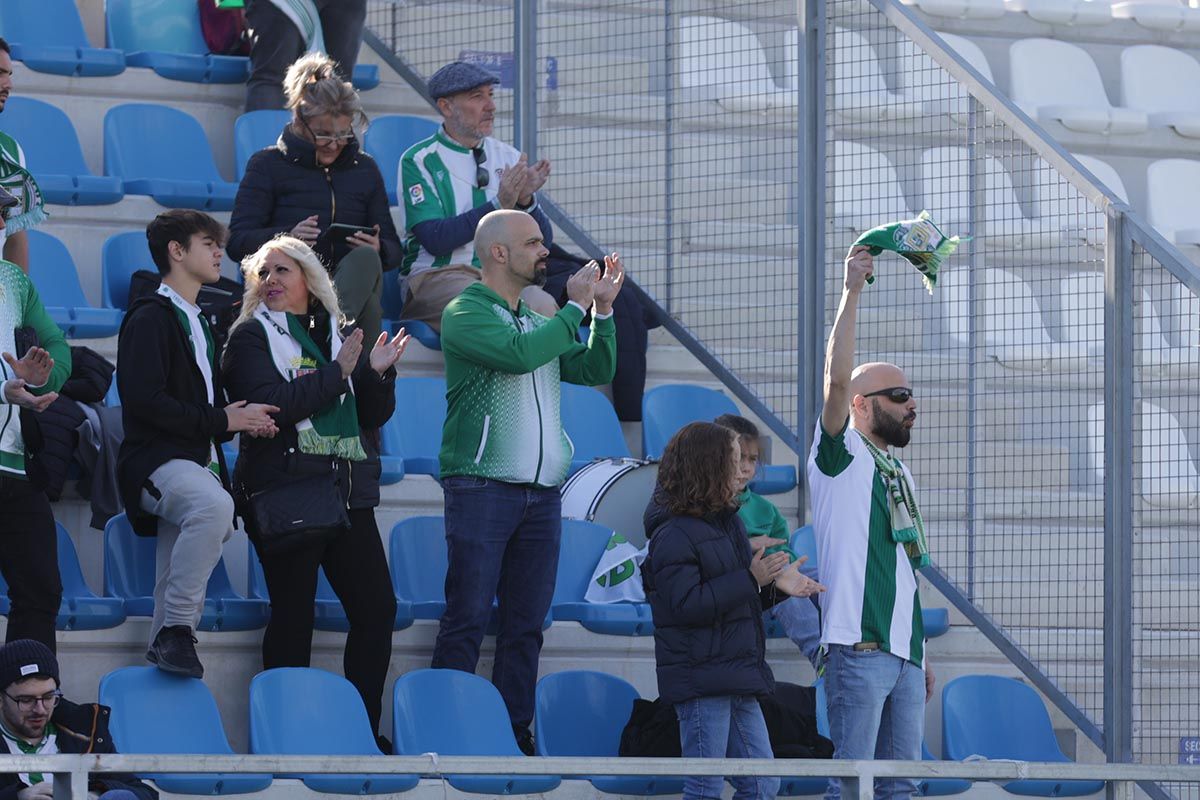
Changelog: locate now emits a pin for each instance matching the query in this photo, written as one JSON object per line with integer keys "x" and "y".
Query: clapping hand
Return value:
{"x": 791, "y": 580}
{"x": 253, "y": 419}
{"x": 764, "y": 567}
{"x": 581, "y": 287}
{"x": 609, "y": 285}
{"x": 347, "y": 357}
{"x": 33, "y": 368}
{"x": 535, "y": 179}
{"x": 386, "y": 353}
{"x": 513, "y": 182}
{"x": 16, "y": 393}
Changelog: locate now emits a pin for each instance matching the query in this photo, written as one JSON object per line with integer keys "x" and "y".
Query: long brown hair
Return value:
{"x": 696, "y": 476}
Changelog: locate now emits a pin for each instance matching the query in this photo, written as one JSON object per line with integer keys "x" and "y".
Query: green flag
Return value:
{"x": 919, "y": 241}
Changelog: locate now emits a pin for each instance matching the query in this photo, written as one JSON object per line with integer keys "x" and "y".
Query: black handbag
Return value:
{"x": 298, "y": 514}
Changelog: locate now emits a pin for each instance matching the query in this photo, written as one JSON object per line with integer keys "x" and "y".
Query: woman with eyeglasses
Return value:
{"x": 316, "y": 184}
{"x": 308, "y": 495}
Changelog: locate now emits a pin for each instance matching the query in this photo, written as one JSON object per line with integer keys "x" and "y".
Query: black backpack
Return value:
{"x": 221, "y": 302}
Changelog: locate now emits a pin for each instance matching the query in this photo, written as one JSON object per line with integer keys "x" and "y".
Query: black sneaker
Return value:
{"x": 524, "y": 741}
{"x": 174, "y": 651}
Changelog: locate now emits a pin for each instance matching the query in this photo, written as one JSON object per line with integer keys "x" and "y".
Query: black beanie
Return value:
{"x": 23, "y": 658}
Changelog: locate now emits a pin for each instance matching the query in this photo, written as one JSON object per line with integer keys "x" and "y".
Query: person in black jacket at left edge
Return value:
{"x": 36, "y": 720}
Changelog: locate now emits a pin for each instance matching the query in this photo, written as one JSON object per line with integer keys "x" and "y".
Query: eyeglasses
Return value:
{"x": 26, "y": 703}
{"x": 482, "y": 177}
{"x": 322, "y": 139}
{"x": 897, "y": 394}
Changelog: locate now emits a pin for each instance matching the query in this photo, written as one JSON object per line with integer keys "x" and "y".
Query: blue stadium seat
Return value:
{"x": 165, "y": 36}
{"x": 580, "y": 713}
{"x": 163, "y": 152}
{"x": 417, "y": 559}
{"x": 666, "y": 409}
{"x": 582, "y": 545}
{"x": 393, "y": 312}
{"x": 422, "y": 332}
{"x": 113, "y": 398}
{"x": 129, "y": 575}
{"x": 590, "y": 420}
{"x": 48, "y": 36}
{"x": 122, "y": 255}
{"x": 53, "y": 154}
{"x": 80, "y": 608}
{"x": 53, "y": 272}
{"x": 365, "y": 77}
{"x": 1002, "y": 718}
{"x": 386, "y": 140}
{"x": 331, "y": 721}
{"x": 254, "y": 131}
{"x": 939, "y": 787}
{"x": 417, "y": 437}
{"x": 160, "y": 713}
{"x": 456, "y": 713}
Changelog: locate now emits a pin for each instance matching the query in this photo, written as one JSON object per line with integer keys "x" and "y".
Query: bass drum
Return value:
{"x": 612, "y": 492}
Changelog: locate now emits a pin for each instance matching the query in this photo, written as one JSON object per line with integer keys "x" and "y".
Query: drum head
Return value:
{"x": 612, "y": 492}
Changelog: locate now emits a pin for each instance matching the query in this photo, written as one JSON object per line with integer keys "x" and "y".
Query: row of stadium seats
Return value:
{"x": 162, "y": 35}
{"x": 1156, "y": 15}
{"x": 577, "y": 713}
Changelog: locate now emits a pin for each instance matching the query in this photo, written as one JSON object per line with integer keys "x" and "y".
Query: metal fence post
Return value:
{"x": 71, "y": 785}
{"x": 669, "y": 156}
{"x": 1118, "y": 490}
{"x": 525, "y": 57}
{"x": 978, "y": 194}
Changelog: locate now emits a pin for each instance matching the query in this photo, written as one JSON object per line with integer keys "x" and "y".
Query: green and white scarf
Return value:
{"x": 18, "y": 181}
{"x": 908, "y": 528}
{"x": 332, "y": 431}
{"x": 304, "y": 15}
{"x": 919, "y": 241}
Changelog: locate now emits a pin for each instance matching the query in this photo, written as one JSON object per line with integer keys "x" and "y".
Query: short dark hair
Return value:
{"x": 695, "y": 476}
{"x": 178, "y": 225}
{"x": 743, "y": 427}
{"x": 4, "y": 46}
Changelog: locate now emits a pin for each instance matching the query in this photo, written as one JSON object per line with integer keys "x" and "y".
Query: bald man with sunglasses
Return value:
{"x": 871, "y": 541}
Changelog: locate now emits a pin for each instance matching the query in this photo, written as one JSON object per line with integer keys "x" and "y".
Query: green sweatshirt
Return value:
{"x": 503, "y": 371}
{"x": 762, "y": 518}
{"x": 20, "y": 307}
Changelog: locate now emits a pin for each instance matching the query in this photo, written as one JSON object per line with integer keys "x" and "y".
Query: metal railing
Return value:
{"x": 71, "y": 771}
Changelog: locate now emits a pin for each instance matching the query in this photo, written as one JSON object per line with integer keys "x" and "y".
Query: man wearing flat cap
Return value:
{"x": 453, "y": 179}
{"x": 36, "y": 720}
{"x": 34, "y": 362}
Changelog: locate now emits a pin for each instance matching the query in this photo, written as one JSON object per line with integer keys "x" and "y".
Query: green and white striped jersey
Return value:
{"x": 437, "y": 181}
{"x": 871, "y": 586}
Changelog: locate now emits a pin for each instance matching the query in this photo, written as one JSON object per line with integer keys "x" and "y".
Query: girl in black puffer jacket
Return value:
{"x": 707, "y": 591}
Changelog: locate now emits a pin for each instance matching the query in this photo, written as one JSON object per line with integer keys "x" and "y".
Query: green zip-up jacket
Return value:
{"x": 19, "y": 308}
{"x": 503, "y": 372}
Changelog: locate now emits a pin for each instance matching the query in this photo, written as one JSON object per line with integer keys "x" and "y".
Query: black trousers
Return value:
{"x": 277, "y": 43}
{"x": 29, "y": 561}
{"x": 357, "y": 570}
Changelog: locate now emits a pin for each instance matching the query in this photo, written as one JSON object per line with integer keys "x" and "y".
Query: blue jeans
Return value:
{"x": 801, "y": 622}
{"x": 502, "y": 543}
{"x": 876, "y": 711}
{"x": 729, "y": 726}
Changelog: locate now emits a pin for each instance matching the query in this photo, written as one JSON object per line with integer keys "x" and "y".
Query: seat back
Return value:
{"x": 946, "y": 187}
{"x": 1172, "y": 194}
{"x": 1006, "y": 309}
{"x": 254, "y": 131}
{"x": 856, "y": 66}
{"x": 804, "y": 543}
{"x": 718, "y": 52}
{"x": 46, "y": 134}
{"x": 417, "y": 437}
{"x": 450, "y": 712}
{"x": 1104, "y": 173}
{"x": 69, "y": 568}
{"x": 1156, "y": 78}
{"x": 331, "y": 720}
{"x": 41, "y": 22}
{"x": 128, "y": 560}
{"x": 581, "y": 713}
{"x": 53, "y": 272}
{"x": 666, "y": 409}
{"x": 417, "y": 559}
{"x": 1046, "y": 72}
{"x": 1167, "y": 467}
{"x": 122, "y": 255}
{"x": 157, "y": 712}
{"x": 583, "y": 543}
{"x": 996, "y": 717}
{"x": 860, "y": 204}
{"x": 168, "y": 26}
{"x": 386, "y": 140}
{"x": 591, "y": 423}
{"x": 142, "y": 140}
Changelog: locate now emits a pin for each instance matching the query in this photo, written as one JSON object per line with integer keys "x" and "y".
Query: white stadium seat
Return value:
{"x": 1158, "y": 15}
{"x": 1064, "y": 207}
{"x": 1167, "y": 476}
{"x": 868, "y": 193}
{"x": 860, "y": 92}
{"x": 961, "y": 9}
{"x": 1187, "y": 307}
{"x": 1165, "y": 83}
{"x": 1104, "y": 173}
{"x": 1064, "y": 12}
{"x": 1058, "y": 81}
{"x": 1172, "y": 197}
{"x": 932, "y": 88}
{"x": 724, "y": 61}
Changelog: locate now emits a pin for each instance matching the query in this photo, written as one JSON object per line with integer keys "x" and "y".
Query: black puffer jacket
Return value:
{"x": 708, "y": 630}
{"x": 249, "y": 374}
{"x": 283, "y": 185}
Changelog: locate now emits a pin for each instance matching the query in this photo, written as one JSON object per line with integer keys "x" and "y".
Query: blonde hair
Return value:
{"x": 315, "y": 275}
{"x": 313, "y": 87}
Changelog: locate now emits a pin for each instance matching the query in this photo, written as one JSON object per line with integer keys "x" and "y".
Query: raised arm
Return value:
{"x": 839, "y": 355}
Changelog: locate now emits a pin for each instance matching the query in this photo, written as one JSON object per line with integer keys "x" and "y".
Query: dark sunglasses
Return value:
{"x": 897, "y": 394}
{"x": 481, "y": 175}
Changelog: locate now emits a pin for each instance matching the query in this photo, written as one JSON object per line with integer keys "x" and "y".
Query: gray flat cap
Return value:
{"x": 458, "y": 76}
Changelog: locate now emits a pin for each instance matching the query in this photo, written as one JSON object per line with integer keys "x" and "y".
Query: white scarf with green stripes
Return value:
{"x": 303, "y": 14}
{"x": 18, "y": 181}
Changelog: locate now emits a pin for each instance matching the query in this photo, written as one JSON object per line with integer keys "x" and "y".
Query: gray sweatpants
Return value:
{"x": 195, "y": 517}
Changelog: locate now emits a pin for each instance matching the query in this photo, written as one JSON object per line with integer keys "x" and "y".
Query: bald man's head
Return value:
{"x": 510, "y": 250}
{"x": 878, "y": 413}
{"x": 498, "y": 228}
{"x": 874, "y": 376}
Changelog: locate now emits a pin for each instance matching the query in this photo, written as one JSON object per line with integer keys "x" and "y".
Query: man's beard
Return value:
{"x": 890, "y": 429}
{"x": 539, "y": 276}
